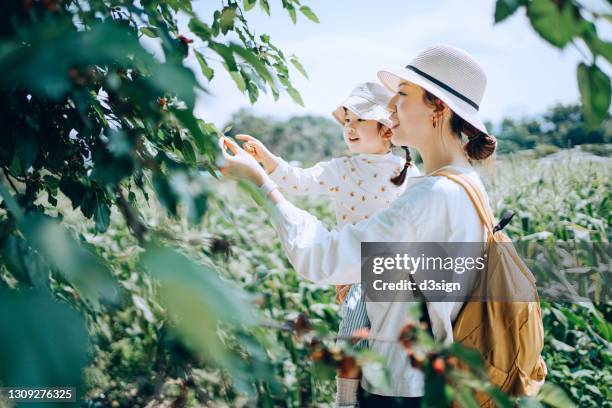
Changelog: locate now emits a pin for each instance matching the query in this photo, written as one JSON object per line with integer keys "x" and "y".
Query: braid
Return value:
{"x": 399, "y": 179}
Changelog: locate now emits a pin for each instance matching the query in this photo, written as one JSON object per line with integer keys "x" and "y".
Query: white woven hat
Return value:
{"x": 450, "y": 74}
{"x": 369, "y": 101}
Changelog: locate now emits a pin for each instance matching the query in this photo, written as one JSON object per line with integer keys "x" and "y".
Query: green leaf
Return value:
{"x": 27, "y": 266}
{"x": 206, "y": 69}
{"x": 102, "y": 216}
{"x": 299, "y": 66}
{"x": 226, "y": 53}
{"x": 200, "y": 29}
{"x": 292, "y": 12}
{"x": 596, "y": 44}
{"x": 188, "y": 152}
{"x": 149, "y": 31}
{"x": 74, "y": 190}
{"x": 84, "y": 269}
{"x": 295, "y": 95}
{"x": 197, "y": 300}
{"x": 309, "y": 14}
{"x": 595, "y": 93}
{"x": 256, "y": 63}
{"x": 471, "y": 357}
{"x": 11, "y": 203}
{"x": 554, "y": 396}
{"x": 164, "y": 191}
{"x": 238, "y": 80}
{"x": 466, "y": 398}
{"x": 42, "y": 342}
{"x": 226, "y": 20}
{"x": 505, "y": 8}
{"x": 265, "y": 6}
{"x": 560, "y": 346}
{"x": 203, "y": 142}
{"x": 27, "y": 150}
{"x": 249, "y": 4}
{"x": 554, "y": 25}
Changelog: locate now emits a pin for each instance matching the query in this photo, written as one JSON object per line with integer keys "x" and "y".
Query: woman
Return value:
{"x": 436, "y": 102}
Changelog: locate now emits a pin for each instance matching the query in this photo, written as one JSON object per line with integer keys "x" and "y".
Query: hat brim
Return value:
{"x": 392, "y": 79}
{"x": 363, "y": 109}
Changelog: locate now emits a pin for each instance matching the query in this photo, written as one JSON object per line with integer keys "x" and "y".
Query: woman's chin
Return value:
{"x": 397, "y": 139}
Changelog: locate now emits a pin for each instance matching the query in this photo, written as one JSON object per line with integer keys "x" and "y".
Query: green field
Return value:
{"x": 566, "y": 200}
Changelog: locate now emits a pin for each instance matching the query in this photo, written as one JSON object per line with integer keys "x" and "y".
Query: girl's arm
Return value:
{"x": 316, "y": 180}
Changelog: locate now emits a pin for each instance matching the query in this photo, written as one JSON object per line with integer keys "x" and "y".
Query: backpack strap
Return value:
{"x": 484, "y": 211}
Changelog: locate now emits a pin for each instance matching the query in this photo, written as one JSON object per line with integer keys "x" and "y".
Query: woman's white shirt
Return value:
{"x": 431, "y": 209}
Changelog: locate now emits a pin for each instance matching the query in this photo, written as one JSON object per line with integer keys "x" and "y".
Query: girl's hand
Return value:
{"x": 259, "y": 151}
{"x": 240, "y": 165}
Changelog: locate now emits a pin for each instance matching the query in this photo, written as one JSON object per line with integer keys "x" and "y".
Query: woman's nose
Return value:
{"x": 350, "y": 129}
{"x": 393, "y": 103}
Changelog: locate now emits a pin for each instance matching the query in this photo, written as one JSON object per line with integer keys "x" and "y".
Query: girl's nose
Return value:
{"x": 350, "y": 129}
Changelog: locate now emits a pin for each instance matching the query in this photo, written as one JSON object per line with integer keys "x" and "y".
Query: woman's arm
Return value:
{"x": 334, "y": 257}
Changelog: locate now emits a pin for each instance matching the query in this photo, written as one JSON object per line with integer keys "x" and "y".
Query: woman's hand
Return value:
{"x": 259, "y": 151}
{"x": 240, "y": 165}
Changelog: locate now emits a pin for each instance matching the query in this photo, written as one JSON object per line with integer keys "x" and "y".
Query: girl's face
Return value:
{"x": 412, "y": 118}
{"x": 365, "y": 136}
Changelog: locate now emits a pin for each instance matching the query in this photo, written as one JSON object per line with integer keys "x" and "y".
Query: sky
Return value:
{"x": 357, "y": 38}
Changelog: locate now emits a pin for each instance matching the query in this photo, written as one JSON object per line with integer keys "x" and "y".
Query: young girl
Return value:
{"x": 359, "y": 185}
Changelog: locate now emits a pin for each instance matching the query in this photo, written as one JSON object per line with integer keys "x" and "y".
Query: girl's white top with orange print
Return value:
{"x": 359, "y": 184}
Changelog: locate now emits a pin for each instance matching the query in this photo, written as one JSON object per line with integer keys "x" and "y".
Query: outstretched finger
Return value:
{"x": 223, "y": 147}
{"x": 233, "y": 146}
{"x": 246, "y": 138}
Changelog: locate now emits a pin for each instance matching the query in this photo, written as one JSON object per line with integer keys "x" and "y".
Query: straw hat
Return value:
{"x": 449, "y": 73}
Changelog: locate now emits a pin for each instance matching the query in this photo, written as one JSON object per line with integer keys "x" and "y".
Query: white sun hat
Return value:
{"x": 369, "y": 101}
{"x": 449, "y": 73}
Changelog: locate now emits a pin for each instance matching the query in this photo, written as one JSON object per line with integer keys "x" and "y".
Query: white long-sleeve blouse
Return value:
{"x": 359, "y": 185}
{"x": 431, "y": 209}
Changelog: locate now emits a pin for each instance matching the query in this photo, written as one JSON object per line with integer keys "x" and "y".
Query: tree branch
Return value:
{"x": 6, "y": 174}
{"x": 131, "y": 217}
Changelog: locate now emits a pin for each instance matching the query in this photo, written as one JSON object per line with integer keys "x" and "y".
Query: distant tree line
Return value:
{"x": 311, "y": 138}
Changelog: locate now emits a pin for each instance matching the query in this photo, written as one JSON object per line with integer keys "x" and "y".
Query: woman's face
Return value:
{"x": 364, "y": 136}
{"x": 411, "y": 117}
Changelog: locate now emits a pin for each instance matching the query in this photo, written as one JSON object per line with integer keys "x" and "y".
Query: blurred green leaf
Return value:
{"x": 556, "y": 24}
{"x": 595, "y": 93}
{"x": 197, "y": 300}
{"x": 149, "y": 31}
{"x": 43, "y": 343}
{"x": 299, "y": 66}
{"x": 505, "y": 8}
{"x": 102, "y": 216}
{"x": 206, "y": 69}
{"x": 554, "y": 396}
{"x": 249, "y": 4}
{"x": 265, "y": 6}
{"x": 200, "y": 29}
{"x": 309, "y": 14}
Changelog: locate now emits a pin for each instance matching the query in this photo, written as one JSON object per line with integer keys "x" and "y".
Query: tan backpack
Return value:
{"x": 508, "y": 334}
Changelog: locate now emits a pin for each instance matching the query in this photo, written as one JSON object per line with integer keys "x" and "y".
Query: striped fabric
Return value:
{"x": 354, "y": 315}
